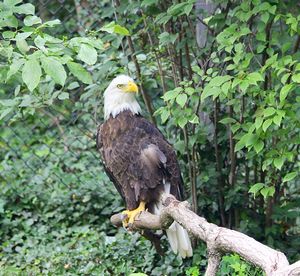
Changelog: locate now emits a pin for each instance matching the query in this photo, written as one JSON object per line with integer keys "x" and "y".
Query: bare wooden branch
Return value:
{"x": 219, "y": 240}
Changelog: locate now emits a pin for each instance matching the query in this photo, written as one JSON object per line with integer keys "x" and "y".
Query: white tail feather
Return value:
{"x": 178, "y": 237}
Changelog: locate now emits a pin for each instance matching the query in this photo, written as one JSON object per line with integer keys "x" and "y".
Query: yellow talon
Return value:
{"x": 130, "y": 215}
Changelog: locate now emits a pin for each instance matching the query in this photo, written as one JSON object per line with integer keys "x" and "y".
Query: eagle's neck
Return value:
{"x": 115, "y": 103}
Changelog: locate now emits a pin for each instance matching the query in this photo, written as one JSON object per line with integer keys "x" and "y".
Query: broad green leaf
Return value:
{"x": 5, "y": 112}
{"x": 258, "y": 146}
{"x": 63, "y": 96}
{"x": 277, "y": 119}
{"x": 26, "y": 101}
{"x": 195, "y": 120}
{"x": 269, "y": 111}
{"x": 289, "y": 177}
{"x": 296, "y": 78}
{"x": 239, "y": 145}
{"x": 31, "y": 73}
{"x": 112, "y": 27}
{"x": 8, "y": 34}
{"x": 73, "y": 85}
{"x": 267, "y": 191}
{"x": 266, "y": 124}
{"x": 32, "y": 20}
{"x": 284, "y": 91}
{"x": 14, "y": 67}
{"x": 147, "y": 3}
{"x": 24, "y": 9}
{"x": 227, "y": 121}
{"x": 210, "y": 91}
{"x": 167, "y": 38}
{"x": 79, "y": 72}
{"x": 188, "y": 8}
{"x": 22, "y": 46}
{"x": 278, "y": 162}
{"x": 51, "y": 23}
{"x": 121, "y": 30}
{"x": 22, "y": 36}
{"x": 182, "y": 121}
{"x": 258, "y": 122}
{"x": 172, "y": 94}
{"x": 255, "y": 77}
{"x": 87, "y": 54}
{"x": 54, "y": 69}
{"x": 165, "y": 115}
{"x": 219, "y": 80}
{"x": 181, "y": 99}
{"x": 256, "y": 188}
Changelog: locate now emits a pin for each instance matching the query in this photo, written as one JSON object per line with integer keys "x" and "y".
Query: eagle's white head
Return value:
{"x": 120, "y": 96}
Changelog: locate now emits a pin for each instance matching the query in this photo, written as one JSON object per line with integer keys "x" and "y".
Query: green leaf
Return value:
{"x": 210, "y": 91}
{"x": 258, "y": 122}
{"x": 284, "y": 91}
{"x": 5, "y": 112}
{"x": 188, "y": 8}
{"x": 258, "y": 146}
{"x": 147, "y": 3}
{"x": 112, "y": 27}
{"x": 31, "y": 73}
{"x": 296, "y": 78}
{"x": 195, "y": 120}
{"x": 182, "y": 121}
{"x": 167, "y": 38}
{"x": 278, "y": 162}
{"x": 87, "y": 54}
{"x": 54, "y": 69}
{"x": 256, "y": 188}
{"x": 255, "y": 77}
{"x": 14, "y": 67}
{"x": 24, "y": 9}
{"x": 277, "y": 119}
{"x": 181, "y": 99}
{"x": 239, "y": 145}
{"x": 73, "y": 85}
{"x": 32, "y": 20}
{"x": 172, "y": 94}
{"x": 266, "y": 124}
{"x": 121, "y": 30}
{"x": 269, "y": 111}
{"x": 8, "y": 34}
{"x": 289, "y": 177}
{"x": 228, "y": 120}
{"x": 79, "y": 72}
{"x": 63, "y": 96}
{"x": 51, "y": 23}
{"x": 22, "y": 46}
{"x": 165, "y": 115}
{"x": 219, "y": 80}
{"x": 22, "y": 36}
{"x": 267, "y": 191}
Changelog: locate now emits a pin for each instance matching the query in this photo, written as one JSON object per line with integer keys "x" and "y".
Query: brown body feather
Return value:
{"x": 138, "y": 159}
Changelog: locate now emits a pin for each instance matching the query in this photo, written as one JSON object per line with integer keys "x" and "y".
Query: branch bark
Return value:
{"x": 219, "y": 240}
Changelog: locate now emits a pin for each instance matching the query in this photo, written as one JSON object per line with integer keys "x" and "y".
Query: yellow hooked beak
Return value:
{"x": 131, "y": 87}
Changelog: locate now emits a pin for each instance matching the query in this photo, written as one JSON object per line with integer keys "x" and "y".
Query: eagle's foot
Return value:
{"x": 130, "y": 215}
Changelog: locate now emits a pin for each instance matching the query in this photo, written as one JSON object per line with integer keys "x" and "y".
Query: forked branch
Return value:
{"x": 219, "y": 240}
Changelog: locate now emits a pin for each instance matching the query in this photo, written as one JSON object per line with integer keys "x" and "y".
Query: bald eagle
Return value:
{"x": 138, "y": 159}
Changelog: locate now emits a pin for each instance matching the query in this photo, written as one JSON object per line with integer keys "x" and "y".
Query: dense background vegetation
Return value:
{"x": 221, "y": 80}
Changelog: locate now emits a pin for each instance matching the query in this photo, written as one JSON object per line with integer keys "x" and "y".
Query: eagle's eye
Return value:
{"x": 120, "y": 86}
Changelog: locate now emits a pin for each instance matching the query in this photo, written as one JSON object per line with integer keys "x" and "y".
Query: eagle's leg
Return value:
{"x": 130, "y": 215}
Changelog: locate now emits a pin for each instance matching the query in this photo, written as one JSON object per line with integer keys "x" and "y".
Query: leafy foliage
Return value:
{"x": 231, "y": 110}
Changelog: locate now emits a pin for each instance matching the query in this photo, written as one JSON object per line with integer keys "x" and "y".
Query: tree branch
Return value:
{"x": 218, "y": 239}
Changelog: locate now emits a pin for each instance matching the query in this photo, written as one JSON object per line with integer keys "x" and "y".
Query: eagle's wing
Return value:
{"x": 106, "y": 168}
{"x": 161, "y": 156}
